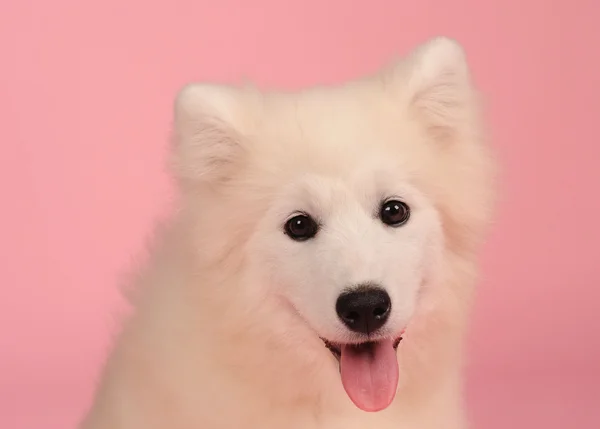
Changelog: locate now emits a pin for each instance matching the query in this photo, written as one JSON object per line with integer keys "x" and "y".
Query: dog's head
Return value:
{"x": 342, "y": 200}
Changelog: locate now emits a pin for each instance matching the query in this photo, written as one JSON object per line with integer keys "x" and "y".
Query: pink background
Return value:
{"x": 85, "y": 101}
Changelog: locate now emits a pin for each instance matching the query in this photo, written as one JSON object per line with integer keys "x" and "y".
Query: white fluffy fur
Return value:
{"x": 229, "y": 310}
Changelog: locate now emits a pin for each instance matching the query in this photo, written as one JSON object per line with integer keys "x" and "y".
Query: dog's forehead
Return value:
{"x": 334, "y": 131}
{"x": 338, "y": 137}
{"x": 331, "y": 118}
{"x": 374, "y": 180}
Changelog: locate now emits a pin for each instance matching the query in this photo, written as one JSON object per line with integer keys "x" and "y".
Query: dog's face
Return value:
{"x": 351, "y": 252}
{"x": 342, "y": 198}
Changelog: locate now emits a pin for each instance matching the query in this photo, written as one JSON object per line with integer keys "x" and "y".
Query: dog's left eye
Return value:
{"x": 394, "y": 213}
{"x": 301, "y": 227}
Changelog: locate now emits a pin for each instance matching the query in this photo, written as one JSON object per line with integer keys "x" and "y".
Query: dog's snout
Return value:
{"x": 364, "y": 309}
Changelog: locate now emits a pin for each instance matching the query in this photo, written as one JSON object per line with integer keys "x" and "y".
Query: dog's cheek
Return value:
{"x": 287, "y": 268}
{"x": 309, "y": 291}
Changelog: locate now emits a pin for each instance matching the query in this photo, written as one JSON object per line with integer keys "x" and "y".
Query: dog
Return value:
{"x": 319, "y": 269}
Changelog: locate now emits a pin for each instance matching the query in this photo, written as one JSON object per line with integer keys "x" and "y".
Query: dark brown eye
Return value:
{"x": 301, "y": 227}
{"x": 394, "y": 213}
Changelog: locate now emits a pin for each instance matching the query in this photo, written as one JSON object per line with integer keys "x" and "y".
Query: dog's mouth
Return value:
{"x": 336, "y": 349}
{"x": 369, "y": 371}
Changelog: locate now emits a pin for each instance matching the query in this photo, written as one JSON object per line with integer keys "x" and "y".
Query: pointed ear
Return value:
{"x": 207, "y": 144}
{"x": 439, "y": 89}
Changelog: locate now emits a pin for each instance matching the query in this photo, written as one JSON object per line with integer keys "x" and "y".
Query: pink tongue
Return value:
{"x": 370, "y": 374}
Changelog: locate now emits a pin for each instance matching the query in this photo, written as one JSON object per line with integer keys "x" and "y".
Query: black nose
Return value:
{"x": 364, "y": 309}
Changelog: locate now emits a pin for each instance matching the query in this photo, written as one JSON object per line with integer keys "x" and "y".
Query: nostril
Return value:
{"x": 351, "y": 317}
{"x": 380, "y": 312}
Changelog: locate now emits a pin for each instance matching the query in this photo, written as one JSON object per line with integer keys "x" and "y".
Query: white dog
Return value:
{"x": 320, "y": 269}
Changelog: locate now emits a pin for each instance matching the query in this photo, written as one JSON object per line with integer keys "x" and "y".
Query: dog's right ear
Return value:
{"x": 207, "y": 142}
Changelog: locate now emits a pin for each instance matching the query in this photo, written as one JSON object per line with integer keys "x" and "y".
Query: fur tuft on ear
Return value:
{"x": 206, "y": 142}
{"x": 439, "y": 89}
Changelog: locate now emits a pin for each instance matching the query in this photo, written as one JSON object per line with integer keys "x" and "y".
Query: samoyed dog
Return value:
{"x": 319, "y": 270}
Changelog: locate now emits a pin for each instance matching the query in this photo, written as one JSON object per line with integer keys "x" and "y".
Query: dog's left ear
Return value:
{"x": 207, "y": 139}
{"x": 436, "y": 84}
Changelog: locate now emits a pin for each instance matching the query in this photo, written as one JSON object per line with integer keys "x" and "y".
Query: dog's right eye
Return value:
{"x": 394, "y": 213}
{"x": 301, "y": 227}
